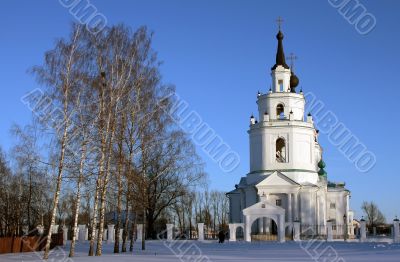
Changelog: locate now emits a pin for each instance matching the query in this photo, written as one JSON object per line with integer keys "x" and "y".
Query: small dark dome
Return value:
{"x": 294, "y": 81}
{"x": 321, "y": 164}
{"x": 322, "y": 172}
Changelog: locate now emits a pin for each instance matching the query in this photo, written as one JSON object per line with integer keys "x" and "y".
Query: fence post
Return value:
{"x": 200, "y": 227}
{"x": 105, "y": 234}
{"x": 363, "y": 230}
{"x": 111, "y": 233}
{"x": 396, "y": 232}
{"x": 170, "y": 228}
{"x": 65, "y": 235}
{"x": 296, "y": 231}
{"x": 329, "y": 232}
{"x": 232, "y": 232}
{"x": 82, "y": 233}
{"x": 139, "y": 232}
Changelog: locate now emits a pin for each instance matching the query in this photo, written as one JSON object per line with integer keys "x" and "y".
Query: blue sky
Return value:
{"x": 219, "y": 54}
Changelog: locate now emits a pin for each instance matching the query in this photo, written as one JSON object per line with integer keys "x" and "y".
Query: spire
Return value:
{"x": 280, "y": 55}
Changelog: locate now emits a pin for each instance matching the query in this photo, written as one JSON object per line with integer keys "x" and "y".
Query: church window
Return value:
{"x": 281, "y": 86}
{"x": 280, "y": 150}
{"x": 333, "y": 206}
{"x": 279, "y": 202}
{"x": 280, "y": 111}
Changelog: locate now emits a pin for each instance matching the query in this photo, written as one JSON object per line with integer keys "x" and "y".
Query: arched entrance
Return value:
{"x": 263, "y": 209}
{"x": 264, "y": 229}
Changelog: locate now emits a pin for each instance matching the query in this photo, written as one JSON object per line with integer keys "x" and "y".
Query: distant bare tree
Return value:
{"x": 373, "y": 214}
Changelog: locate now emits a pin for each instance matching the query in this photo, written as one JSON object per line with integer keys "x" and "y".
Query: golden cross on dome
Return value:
{"x": 279, "y": 21}
{"x": 292, "y": 57}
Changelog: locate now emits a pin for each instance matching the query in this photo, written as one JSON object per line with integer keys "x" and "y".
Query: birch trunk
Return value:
{"x": 119, "y": 182}
{"x": 126, "y": 226}
{"x": 104, "y": 190}
{"x": 59, "y": 181}
{"x": 78, "y": 200}
{"x": 94, "y": 220}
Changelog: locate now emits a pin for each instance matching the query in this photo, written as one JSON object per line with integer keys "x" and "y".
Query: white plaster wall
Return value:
{"x": 300, "y": 149}
{"x": 291, "y": 101}
{"x": 280, "y": 74}
{"x": 340, "y": 199}
{"x": 308, "y": 206}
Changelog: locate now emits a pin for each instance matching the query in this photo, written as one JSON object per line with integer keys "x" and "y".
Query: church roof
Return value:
{"x": 277, "y": 178}
{"x": 280, "y": 54}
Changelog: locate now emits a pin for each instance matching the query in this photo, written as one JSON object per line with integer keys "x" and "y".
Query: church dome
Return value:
{"x": 321, "y": 164}
{"x": 322, "y": 171}
{"x": 294, "y": 81}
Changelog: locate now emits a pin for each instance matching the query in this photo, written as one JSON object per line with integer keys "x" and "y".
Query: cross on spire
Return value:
{"x": 292, "y": 57}
{"x": 279, "y": 21}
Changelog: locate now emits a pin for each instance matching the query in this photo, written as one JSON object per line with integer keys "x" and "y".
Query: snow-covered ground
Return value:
{"x": 195, "y": 251}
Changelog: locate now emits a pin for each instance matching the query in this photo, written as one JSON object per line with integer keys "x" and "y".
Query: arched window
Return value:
{"x": 281, "y": 150}
{"x": 280, "y": 110}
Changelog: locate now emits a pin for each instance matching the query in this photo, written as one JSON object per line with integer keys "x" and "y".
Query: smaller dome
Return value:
{"x": 294, "y": 81}
{"x": 321, "y": 164}
{"x": 322, "y": 172}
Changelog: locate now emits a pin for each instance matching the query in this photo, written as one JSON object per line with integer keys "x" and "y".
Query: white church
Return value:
{"x": 287, "y": 183}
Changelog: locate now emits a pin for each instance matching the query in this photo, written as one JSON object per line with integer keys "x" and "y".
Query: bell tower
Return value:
{"x": 283, "y": 140}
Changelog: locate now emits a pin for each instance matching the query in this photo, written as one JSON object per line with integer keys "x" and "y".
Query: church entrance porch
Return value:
{"x": 264, "y": 212}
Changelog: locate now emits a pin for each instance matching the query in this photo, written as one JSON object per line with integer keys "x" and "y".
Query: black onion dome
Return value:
{"x": 294, "y": 81}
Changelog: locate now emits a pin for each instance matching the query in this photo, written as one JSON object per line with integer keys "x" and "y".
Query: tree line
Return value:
{"x": 103, "y": 142}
